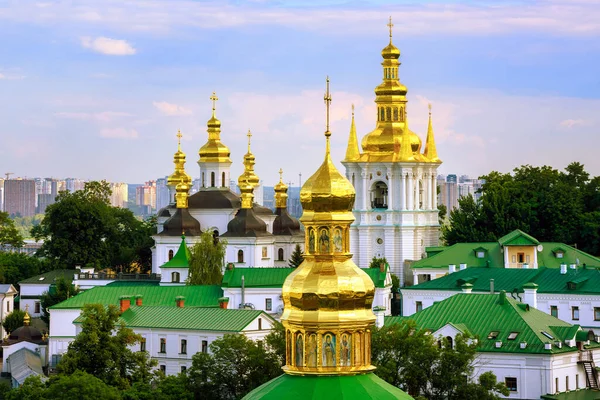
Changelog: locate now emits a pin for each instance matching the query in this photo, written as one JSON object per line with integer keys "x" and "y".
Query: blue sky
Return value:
{"x": 98, "y": 89}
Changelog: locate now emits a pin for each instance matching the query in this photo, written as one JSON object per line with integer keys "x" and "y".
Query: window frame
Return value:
{"x": 268, "y": 304}
{"x": 143, "y": 344}
{"x": 37, "y": 307}
{"x": 493, "y": 335}
{"x": 596, "y": 313}
{"x": 509, "y": 380}
{"x": 512, "y": 336}
{"x": 204, "y": 347}
{"x": 418, "y": 306}
{"x": 554, "y": 311}
{"x": 163, "y": 346}
{"x": 575, "y": 310}
{"x": 183, "y": 346}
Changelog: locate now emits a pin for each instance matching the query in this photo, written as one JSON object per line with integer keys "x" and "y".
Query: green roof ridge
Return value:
{"x": 517, "y": 237}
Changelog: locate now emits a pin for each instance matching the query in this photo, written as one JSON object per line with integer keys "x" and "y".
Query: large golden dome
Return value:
{"x": 214, "y": 150}
{"x": 381, "y": 139}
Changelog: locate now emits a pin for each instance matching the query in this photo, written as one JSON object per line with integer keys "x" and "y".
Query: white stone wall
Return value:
{"x": 255, "y": 296}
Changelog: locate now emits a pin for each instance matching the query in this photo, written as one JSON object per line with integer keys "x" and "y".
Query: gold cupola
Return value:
{"x": 327, "y": 299}
{"x": 352, "y": 151}
{"x": 430, "y": 148}
{"x": 244, "y": 181}
{"x": 181, "y": 194}
{"x": 391, "y": 101}
{"x": 281, "y": 189}
{"x": 214, "y": 150}
{"x": 179, "y": 160}
{"x": 249, "y": 161}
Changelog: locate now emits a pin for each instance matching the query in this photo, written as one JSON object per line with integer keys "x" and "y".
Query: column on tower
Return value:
{"x": 402, "y": 190}
{"x": 391, "y": 187}
{"x": 410, "y": 192}
{"x": 417, "y": 191}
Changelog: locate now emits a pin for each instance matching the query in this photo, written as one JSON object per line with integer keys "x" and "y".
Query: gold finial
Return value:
{"x": 429, "y": 106}
{"x": 280, "y": 175}
{"x": 179, "y": 135}
{"x": 214, "y": 99}
{"x": 26, "y": 318}
{"x": 249, "y": 136}
{"x": 327, "y": 99}
{"x": 390, "y": 25}
{"x": 352, "y": 110}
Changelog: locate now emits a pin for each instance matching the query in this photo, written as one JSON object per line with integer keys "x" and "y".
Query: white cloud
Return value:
{"x": 104, "y": 116}
{"x": 111, "y": 47}
{"x": 10, "y": 77}
{"x": 171, "y": 109}
{"x": 570, "y": 123}
{"x": 119, "y": 133}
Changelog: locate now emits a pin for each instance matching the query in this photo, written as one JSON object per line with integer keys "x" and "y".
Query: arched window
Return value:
{"x": 212, "y": 179}
{"x": 240, "y": 256}
{"x": 170, "y": 254}
{"x": 382, "y": 114}
{"x": 449, "y": 340}
{"x": 203, "y": 180}
{"x": 280, "y": 254}
{"x": 175, "y": 277}
{"x": 223, "y": 179}
{"x": 215, "y": 236}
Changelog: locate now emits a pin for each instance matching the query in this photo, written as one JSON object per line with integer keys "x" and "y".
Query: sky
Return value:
{"x": 97, "y": 89}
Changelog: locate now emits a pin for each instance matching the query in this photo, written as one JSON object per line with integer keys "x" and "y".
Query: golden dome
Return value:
{"x": 281, "y": 189}
{"x": 214, "y": 150}
{"x": 249, "y": 160}
{"x": 181, "y": 194}
{"x": 381, "y": 139}
{"x": 390, "y": 51}
{"x": 179, "y": 160}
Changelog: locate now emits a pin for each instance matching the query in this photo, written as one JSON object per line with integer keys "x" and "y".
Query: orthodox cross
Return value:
{"x": 429, "y": 108}
{"x": 214, "y": 99}
{"x": 390, "y": 25}
{"x": 327, "y": 99}
{"x": 179, "y": 135}
{"x": 280, "y": 175}
{"x": 249, "y": 134}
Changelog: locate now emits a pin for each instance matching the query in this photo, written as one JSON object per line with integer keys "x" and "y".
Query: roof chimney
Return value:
{"x": 573, "y": 266}
{"x": 381, "y": 267}
{"x": 463, "y": 266}
{"x": 179, "y": 301}
{"x": 563, "y": 269}
{"x": 530, "y": 294}
{"x": 502, "y": 297}
{"x": 451, "y": 268}
{"x": 138, "y": 300}
{"x": 223, "y": 302}
{"x": 492, "y": 286}
{"x": 124, "y": 303}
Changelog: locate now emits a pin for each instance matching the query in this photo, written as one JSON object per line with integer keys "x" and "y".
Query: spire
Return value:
{"x": 281, "y": 189}
{"x": 214, "y": 150}
{"x": 352, "y": 151}
{"x": 327, "y": 99}
{"x": 179, "y": 173}
{"x": 430, "y": 149}
{"x": 406, "y": 153}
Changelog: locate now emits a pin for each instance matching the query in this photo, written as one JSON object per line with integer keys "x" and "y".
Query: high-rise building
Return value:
{"x": 44, "y": 200}
{"x": 395, "y": 211}
{"x": 1, "y": 194}
{"x": 146, "y": 195}
{"x": 19, "y": 197}
{"x": 73, "y": 184}
{"x": 119, "y": 195}
{"x": 162, "y": 193}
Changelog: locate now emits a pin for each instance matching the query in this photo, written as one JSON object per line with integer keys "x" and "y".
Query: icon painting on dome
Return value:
{"x": 311, "y": 353}
{"x": 345, "y": 350}
{"x": 329, "y": 350}
{"x": 311, "y": 241}
{"x": 324, "y": 241}
{"x": 299, "y": 350}
{"x": 337, "y": 240}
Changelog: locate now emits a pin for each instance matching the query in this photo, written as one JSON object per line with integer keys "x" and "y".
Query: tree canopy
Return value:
{"x": 550, "y": 205}
{"x": 82, "y": 228}
{"x": 13, "y": 320}
{"x": 107, "y": 356}
{"x": 60, "y": 290}
{"x": 296, "y": 258}
{"x": 206, "y": 260}
{"x": 9, "y": 234}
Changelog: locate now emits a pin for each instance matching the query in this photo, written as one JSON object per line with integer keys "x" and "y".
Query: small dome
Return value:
{"x": 25, "y": 333}
{"x": 246, "y": 224}
{"x": 285, "y": 224}
{"x": 164, "y": 213}
{"x": 260, "y": 210}
{"x": 390, "y": 51}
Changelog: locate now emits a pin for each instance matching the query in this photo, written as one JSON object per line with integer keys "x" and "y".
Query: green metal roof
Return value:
{"x": 496, "y": 313}
{"x": 189, "y": 318}
{"x": 195, "y": 296}
{"x": 344, "y": 387}
{"x": 548, "y": 280}
{"x": 256, "y": 277}
{"x": 133, "y": 283}
{"x": 517, "y": 238}
{"x": 49, "y": 277}
{"x": 181, "y": 259}
{"x": 465, "y": 253}
{"x": 586, "y": 394}
{"x": 275, "y": 277}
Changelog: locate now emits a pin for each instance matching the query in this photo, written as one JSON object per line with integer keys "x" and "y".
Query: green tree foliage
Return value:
{"x": 107, "y": 356}
{"x": 9, "y": 234}
{"x": 551, "y": 205}
{"x": 206, "y": 260}
{"x": 82, "y": 228}
{"x": 173, "y": 387}
{"x": 276, "y": 341}
{"x": 395, "y": 283}
{"x": 13, "y": 320}
{"x": 411, "y": 359}
{"x": 25, "y": 224}
{"x": 59, "y": 291}
{"x": 442, "y": 211}
{"x": 235, "y": 366}
{"x": 376, "y": 262}
{"x": 15, "y": 267}
{"x": 32, "y": 389}
{"x": 296, "y": 258}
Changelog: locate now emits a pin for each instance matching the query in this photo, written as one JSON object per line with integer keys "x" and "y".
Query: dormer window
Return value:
{"x": 560, "y": 254}
{"x": 512, "y": 335}
{"x": 480, "y": 254}
{"x": 493, "y": 335}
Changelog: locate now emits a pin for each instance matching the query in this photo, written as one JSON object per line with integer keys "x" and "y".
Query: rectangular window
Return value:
{"x": 260, "y": 324}
{"x": 596, "y": 313}
{"x": 183, "y": 346}
{"x": 576, "y": 381}
{"x": 480, "y": 254}
{"x": 575, "y": 314}
{"x": 567, "y": 383}
{"x": 37, "y": 307}
{"x": 521, "y": 257}
{"x": 419, "y": 306}
{"x": 556, "y": 388}
{"x": 554, "y": 311}
{"x": 268, "y": 304}
{"x": 183, "y": 368}
{"x": 163, "y": 369}
{"x": 7, "y": 306}
{"x": 143, "y": 344}
{"x": 511, "y": 384}
{"x": 205, "y": 346}
{"x": 163, "y": 345}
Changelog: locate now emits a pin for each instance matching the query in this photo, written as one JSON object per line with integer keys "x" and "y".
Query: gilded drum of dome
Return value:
{"x": 381, "y": 139}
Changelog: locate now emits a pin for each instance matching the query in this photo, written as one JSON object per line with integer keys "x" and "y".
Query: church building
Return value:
{"x": 395, "y": 212}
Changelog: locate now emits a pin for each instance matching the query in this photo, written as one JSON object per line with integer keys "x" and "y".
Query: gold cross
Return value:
{"x": 390, "y": 25}
{"x": 179, "y": 135}
{"x": 327, "y": 99}
{"x": 280, "y": 175}
{"x": 214, "y": 99}
{"x": 249, "y": 136}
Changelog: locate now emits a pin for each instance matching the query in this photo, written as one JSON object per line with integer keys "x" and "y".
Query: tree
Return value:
{"x": 297, "y": 257}
{"x": 107, "y": 356}
{"x": 60, "y": 290}
{"x": 32, "y": 389}
{"x": 413, "y": 360}
{"x": 235, "y": 366}
{"x": 13, "y": 320}
{"x": 376, "y": 262}
{"x": 15, "y": 267}
{"x": 276, "y": 341}
{"x": 80, "y": 385}
{"x": 9, "y": 235}
{"x": 206, "y": 260}
{"x": 82, "y": 228}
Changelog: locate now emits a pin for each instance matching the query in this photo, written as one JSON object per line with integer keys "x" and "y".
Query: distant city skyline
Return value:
{"x": 102, "y": 87}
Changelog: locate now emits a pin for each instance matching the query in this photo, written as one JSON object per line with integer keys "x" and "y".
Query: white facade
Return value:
{"x": 7, "y": 304}
{"x": 250, "y": 251}
{"x": 395, "y": 210}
